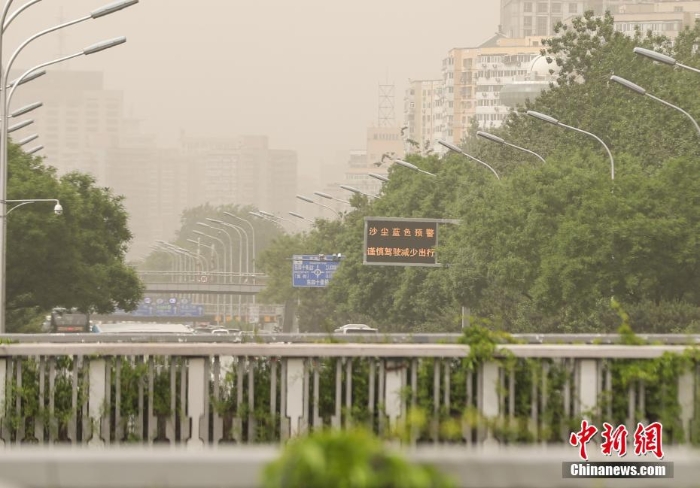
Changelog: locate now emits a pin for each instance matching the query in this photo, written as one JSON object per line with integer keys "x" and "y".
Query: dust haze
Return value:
{"x": 304, "y": 73}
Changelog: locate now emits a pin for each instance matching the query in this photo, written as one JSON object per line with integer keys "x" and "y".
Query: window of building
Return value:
{"x": 556, "y": 8}
{"x": 527, "y": 32}
{"x": 542, "y": 26}
{"x": 541, "y": 7}
{"x": 527, "y": 7}
{"x": 527, "y": 21}
{"x": 573, "y": 8}
{"x": 555, "y": 20}
{"x": 677, "y": 9}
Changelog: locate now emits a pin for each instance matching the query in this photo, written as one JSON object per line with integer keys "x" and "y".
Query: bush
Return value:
{"x": 347, "y": 459}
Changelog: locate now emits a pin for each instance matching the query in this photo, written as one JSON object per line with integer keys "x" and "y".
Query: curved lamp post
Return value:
{"x": 379, "y": 177}
{"x": 310, "y": 200}
{"x": 20, "y": 125}
{"x": 299, "y": 216}
{"x": 330, "y": 197}
{"x": 57, "y": 209}
{"x": 252, "y": 231}
{"x": 499, "y": 140}
{"x": 355, "y": 190}
{"x": 456, "y": 149}
{"x": 641, "y": 91}
{"x": 408, "y": 165}
{"x": 662, "y": 58}
{"x": 5, "y": 21}
{"x": 34, "y": 150}
{"x": 553, "y": 121}
{"x": 27, "y": 140}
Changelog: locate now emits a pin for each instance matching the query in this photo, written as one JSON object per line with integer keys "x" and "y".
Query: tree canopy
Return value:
{"x": 549, "y": 245}
{"x": 76, "y": 259}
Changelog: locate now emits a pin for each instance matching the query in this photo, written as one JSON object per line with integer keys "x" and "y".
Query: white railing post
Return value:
{"x": 3, "y": 406}
{"x": 686, "y": 400}
{"x": 394, "y": 377}
{"x": 586, "y": 400}
{"x": 489, "y": 397}
{"x": 295, "y": 392}
{"x": 96, "y": 405}
{"x": 196, "y": 401}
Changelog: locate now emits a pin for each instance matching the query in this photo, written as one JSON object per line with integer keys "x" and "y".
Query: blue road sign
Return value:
{"x": 166, "y": 309}
{"x": 312, "y": 270}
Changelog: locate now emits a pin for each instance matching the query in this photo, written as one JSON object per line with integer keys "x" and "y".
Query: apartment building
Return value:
{"x": 422, "y": 114}
{"x": 521, "y": 18}
{"x": 470, "y": 80}
{"x": 497, "y": 73}
{"x": 661, "y": 18}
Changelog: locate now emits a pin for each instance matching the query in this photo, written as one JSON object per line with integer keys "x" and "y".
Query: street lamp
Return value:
{"x": 381, "y": 178}
{"x": 20, "y": 125}
{"x": 252, "y": 231}
{"x": 330, "y": 197}
{"x": 456, "y": 149}
{"x": 31, "y": 77}
{"x": 27, "y": 140}
{"x": 5, "y": 100}
{"x": 355, "y": 190}
{"x": 553, "y": 121}
{"x": 34, "y": 150}
{"x": 57, "y": 209}
{"x": 641, "y": 91}
{"x": 499, "y": 140}
{"x": 405, "y": 164}
{"x": 299, "y": 216}
{"x": 662, "y": 58}
{"x": 309, "y": 200}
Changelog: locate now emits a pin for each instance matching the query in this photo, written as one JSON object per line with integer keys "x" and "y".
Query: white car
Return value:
{"x": 355, "y": 329}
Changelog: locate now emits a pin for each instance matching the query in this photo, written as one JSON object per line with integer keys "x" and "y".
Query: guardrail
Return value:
{"x": 308, "y": 338}
{"x": 241, "y": 467}
{"x": 197, "y": 394}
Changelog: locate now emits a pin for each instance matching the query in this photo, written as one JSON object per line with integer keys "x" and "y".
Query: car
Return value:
{"x": 355, "y": 329}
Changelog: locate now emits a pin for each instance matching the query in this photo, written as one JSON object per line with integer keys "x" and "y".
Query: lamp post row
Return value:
{"x": 8, "y": 90}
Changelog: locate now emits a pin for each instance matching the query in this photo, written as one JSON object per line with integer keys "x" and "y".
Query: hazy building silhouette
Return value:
{"x": 240, "y": 170}
{"x": 422, "y": 114}
{"x": 80, "y": 119}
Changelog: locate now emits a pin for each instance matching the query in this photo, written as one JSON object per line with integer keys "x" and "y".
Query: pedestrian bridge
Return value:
{"x": 168, "y": 282}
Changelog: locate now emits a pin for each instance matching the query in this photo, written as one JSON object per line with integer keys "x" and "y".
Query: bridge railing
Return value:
{"x": 197, "y": 394}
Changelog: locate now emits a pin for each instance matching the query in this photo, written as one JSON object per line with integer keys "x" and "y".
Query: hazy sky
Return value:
{"x": 303, "y": 72}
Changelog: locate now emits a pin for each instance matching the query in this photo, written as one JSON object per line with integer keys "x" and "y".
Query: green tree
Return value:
{"x": 76, "y": 259}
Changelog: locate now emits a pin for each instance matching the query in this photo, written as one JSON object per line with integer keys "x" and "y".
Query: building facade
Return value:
{"x": 422, "y": 115}
{"x": 472, "y": 78}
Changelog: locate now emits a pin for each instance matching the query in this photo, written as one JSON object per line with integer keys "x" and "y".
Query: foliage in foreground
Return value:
{"x": 347, "y": 459}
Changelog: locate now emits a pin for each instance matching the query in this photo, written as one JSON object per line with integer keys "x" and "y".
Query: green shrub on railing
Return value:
{"x": 347, "y": 459}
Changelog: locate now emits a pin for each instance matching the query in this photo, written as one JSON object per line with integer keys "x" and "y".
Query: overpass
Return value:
{"x": 214, "y": 283}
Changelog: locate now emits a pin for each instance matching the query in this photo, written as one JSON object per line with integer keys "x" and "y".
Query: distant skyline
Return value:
{"x": 306, "y": 74}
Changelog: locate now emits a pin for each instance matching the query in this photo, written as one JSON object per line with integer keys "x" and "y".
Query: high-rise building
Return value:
{"x": 497, "y": 71}
{"x": 78, "y": 122}
{"x": 469, "y": 77}
{"x": 241, "y": 170}
{"x": 522, "y": 18}
{"x": 525, "y": 18}
{"x": 661, "y": 17}
{"x": 422, "y": 113}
